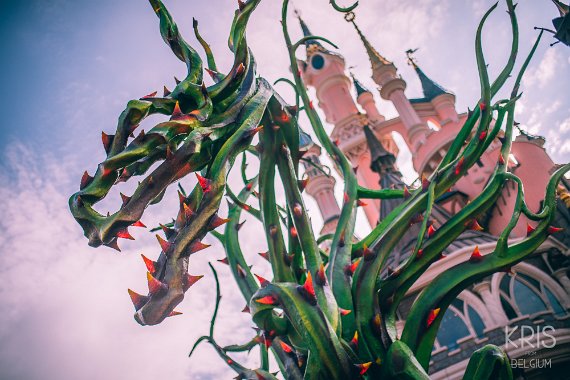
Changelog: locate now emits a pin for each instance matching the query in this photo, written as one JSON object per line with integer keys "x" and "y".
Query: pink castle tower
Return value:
{"x": 325, "y": 71}
{"x": 537, "y": 295}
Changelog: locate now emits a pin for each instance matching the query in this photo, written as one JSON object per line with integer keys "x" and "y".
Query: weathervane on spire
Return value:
{"x": 412, "y": 61}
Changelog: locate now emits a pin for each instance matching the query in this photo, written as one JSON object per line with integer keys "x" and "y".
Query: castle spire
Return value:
{"x": 375, "y": 57}
{"x": 430, "y": 88}
{"x": 360, "y": 88}
{"x": 311, "y": 45}
{"x": 381, "y": 161}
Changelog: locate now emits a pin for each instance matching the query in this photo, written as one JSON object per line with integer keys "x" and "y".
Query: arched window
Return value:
{"x": 433, "y": 125}
{"x": 461, "y": 320}
{"x": 523, "y": 295}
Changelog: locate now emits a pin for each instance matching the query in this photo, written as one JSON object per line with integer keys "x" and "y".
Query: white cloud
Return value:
{"x": 65, "y": 304}
{"x": 545, "y": 72}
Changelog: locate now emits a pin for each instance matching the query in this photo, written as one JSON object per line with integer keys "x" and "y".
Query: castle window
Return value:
{"x": 318, "y": 62}
{"x": 523, "y": 295}
{"x": 433, "y": 125}
{"x": 461, "y": 320}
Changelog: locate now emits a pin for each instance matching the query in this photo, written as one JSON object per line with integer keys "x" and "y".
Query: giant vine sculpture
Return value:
{"x": 323, "y": 315}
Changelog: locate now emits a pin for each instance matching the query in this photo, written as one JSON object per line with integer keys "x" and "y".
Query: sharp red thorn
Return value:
{"x": 351, "y": 268}
{"x": 177, "y": 111}
{"x": 360, "y": 203}
{"x": 125, "y": 199}
{"x": 166, "y": 92}
{"x": 137, "y": 299}
{"x": 482, "y": 135}
{"x": 155, "y": 286}
{"x": 124, "y": 234}
{"x": 267, "y": 300}
{"x": 196, "y": 246}
{"x": 191, "y": 280}
{"x": 363, "y": 368}
{"x": 262, "y": 281}
{"x": 265, "y": 255}
{"x": 150, "y": 265}
{"x": 432, "y": 316}
{"x": 354, "y": 341}
{"x": 553, "y": 230}
{"x": 406, "y": 192}
{"x": 114, "y": 244}
{"x": 205, "y": 183}
{"x": 288, "y": 349}
{"x": 344, "y": 312}
{"x": 321, "y": 278}
{"x": 224, "y": 261}
{"x": 138, "y": 223}
{"x": 107, "y": 141}
{"x": 459, "y": 166}
{"x": 151, "y": 95}
{"x": 425, "y": 182}
{"x": 246, "y": 309}
{"x": 474, "y": 225}
{"x": 529, "y": 229}
{"x": 476, "y": 255}
{"x": 174, "y": 313}
{"x": 164, "y": 245}
{"x": 431, "y": 231}
{"x": 86, "y": 179}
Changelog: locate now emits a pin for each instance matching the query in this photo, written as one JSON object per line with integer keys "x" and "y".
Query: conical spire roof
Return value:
{"x": 376, "y": 59}
{"x": 381, "y": 161}
{"x": 360, "y": 88}
{"x": 307, "y": 33}
{"x": 431, "y": 89}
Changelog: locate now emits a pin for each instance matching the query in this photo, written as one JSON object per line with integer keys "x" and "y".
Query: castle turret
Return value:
{"x": 325, "y": 71}
{"x": 321, "y": 184}
{"x": 365, "y": 98}
{"x": 392, "y": 88}
{"x": 442, "y": 99}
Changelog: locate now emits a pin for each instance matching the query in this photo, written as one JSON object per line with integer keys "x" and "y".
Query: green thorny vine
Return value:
{"x": 323, "y": 316}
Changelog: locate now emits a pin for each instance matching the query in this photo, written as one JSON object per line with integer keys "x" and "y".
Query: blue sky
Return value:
{"x": 69, "y": 68}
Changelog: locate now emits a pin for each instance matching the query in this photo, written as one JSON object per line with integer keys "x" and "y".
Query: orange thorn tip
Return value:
{"x": 164, "y": 245}
{"x": 344, "y": 312}
{"x": 363, "y": 368}
{"x": 137, "y": 299}
{"x": 432, "y": 316}
{"x": 176, "y": 112}
{"x": 294, "y": 232}
{"x": 174, "y": 313}
{"x": 155, "y": 286}
{"x": 308, "y": 285}
{"x": 425, "y": 182}
{"x": 476, "y": 255}
{"x": 288, "y": 349}
{"x": 267, "y": 300}
{"x": 360, "y": 203}
{"x": 474, "y": 225}
{"x": 354, "y": 340}
{"x": 431, "y": 231}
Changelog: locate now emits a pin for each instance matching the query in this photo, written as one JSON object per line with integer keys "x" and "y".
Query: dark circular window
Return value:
{"x": 317, "y": 62}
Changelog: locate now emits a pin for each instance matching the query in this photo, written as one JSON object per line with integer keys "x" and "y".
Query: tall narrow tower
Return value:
{"x": 325, "y": 71}
{"x": 392, "y": 88}
{"x": 320, "y": 185}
